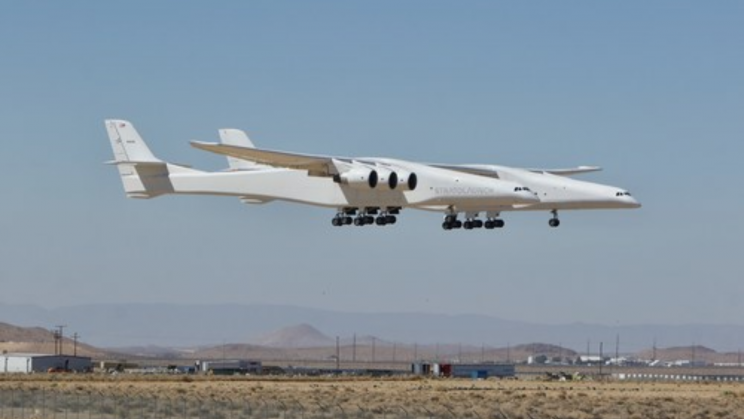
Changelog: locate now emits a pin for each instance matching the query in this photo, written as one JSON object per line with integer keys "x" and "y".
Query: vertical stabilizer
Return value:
{"x": 142, "y": 174}
{"x": 236, "y": 137}
{"x": 127, "y": 144}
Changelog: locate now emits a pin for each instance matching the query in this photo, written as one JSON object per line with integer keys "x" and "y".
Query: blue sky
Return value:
{"x": 651, "y": 91}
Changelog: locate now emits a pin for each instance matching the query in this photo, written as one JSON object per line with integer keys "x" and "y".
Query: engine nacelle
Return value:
{"x": 405, "y": 181}
{"x": 360, "y": 178}
{"x": 388, "y": 178}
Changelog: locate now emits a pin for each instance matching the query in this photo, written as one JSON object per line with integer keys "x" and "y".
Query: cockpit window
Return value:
{"x": 521, "y": 188}
{"x": 624, "y": 193}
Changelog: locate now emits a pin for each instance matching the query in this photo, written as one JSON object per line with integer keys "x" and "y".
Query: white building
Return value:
{"x": 28, "y": 363}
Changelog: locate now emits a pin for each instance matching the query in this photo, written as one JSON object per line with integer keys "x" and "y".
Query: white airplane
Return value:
{"x": 362, "y": 190}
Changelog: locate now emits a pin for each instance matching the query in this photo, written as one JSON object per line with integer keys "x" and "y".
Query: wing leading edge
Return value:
{"x": 315, "y": 165}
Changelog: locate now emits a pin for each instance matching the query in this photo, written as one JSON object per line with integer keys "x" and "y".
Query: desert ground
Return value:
{"x": 408, "y": 397}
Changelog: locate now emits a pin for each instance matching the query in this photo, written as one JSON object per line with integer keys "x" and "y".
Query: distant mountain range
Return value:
{"x": 194, "y": 325}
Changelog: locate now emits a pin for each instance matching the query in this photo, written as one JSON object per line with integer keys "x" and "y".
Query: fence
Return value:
{"x": 52, "y": 404}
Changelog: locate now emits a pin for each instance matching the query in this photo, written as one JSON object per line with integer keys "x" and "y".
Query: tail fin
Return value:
{"x": 239, "y": 138}
{"x": 142, "y": 174}
{"x": 127, "y": 144}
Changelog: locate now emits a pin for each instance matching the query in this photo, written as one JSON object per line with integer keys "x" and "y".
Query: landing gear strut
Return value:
{"x": 554, "y": 222}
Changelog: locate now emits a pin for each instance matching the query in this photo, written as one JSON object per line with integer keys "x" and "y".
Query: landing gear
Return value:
{"x": 472, "y": 222}
{"x": 494, "y": 223}
{"x": 451, "y": 222}
{"x": 341, "y": 219}
{"x": 493, "y": 220}
{"x": 365, "y": 217}
{"x": 554, "y": 222}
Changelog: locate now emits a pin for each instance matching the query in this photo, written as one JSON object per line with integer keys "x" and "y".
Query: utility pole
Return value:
{"x": 75, "y": 337}
{"x": 374, "y": 341}
{"x": 338, "y": 356}
{"x": 617, "y": 347}
{"x": 353, "y": 349}
{"x": 58, "y": 337}
{"x": 601, "y": 360}
{"x": 654, "y": 350}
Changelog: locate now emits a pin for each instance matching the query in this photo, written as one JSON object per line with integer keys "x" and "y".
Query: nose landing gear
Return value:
{"x": 554, "y": 222}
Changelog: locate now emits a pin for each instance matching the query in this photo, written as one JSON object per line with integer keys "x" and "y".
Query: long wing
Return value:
{"x": 315, "y": 165}
{"x": 568, "y": 172}
{"x": 492, "y": 171}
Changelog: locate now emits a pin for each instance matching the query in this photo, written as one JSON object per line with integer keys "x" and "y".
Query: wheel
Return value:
{"x": 477, "y": 223}
{"x": 450, "y": 219}
{"x": 359, "y": 221}
{"x": 446, "y": 226}
{"x": 336, "y": 221}
{"x": 369, "y": 219}
{"x": 489, "y": 225}
{"x": 457, "y": 224}
{"x": 554, "y": 222}
{"x": 380, "y": 221}
{"x": 468, "y": 225}
{"x": 498, "y": 223}
{"x": 391, "y": 219}
{"x": 348, "y": 220}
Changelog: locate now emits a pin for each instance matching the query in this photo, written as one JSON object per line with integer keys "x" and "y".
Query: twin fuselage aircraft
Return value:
{"x": 363, "y": 191}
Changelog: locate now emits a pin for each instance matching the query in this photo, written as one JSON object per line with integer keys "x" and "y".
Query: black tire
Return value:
{"x": 336, "y": 221}
{"x": 489, "y": 225}
{"x": 391, "y": 219}
{"x": 457, "y": 224}
{"x": 447, "y": 226}
{"x": 499, "y": 223}
{"x": 554, "y": 222}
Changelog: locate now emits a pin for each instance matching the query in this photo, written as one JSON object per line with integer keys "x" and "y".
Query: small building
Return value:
{"x": 28, "y": 363}
{"x": 483, "y": 370}
{"x": 476, "y": 370}
{"x": 230, "y": 367}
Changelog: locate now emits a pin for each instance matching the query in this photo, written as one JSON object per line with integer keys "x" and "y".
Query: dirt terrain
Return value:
{"x": 412, "y": 397}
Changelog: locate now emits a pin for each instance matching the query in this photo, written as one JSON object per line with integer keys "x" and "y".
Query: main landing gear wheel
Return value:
{"x": 491, "y": 224}
{"x": 554, "y": 222}
{"x": 451, "y": 222}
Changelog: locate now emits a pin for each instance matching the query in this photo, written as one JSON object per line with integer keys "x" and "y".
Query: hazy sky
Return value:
{"x": 651, "y": 91}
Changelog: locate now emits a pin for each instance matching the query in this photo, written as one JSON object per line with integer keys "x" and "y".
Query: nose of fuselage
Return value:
{"x": 632, "y": 202}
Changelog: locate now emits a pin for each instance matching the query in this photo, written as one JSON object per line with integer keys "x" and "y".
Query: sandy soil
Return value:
{"x": 421, "y": 397}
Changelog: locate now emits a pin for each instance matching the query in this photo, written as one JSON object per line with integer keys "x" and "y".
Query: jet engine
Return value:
{"x": 360, "y": 178}
{"x": 387, "y": 178}
{"x": 405, "y": 181}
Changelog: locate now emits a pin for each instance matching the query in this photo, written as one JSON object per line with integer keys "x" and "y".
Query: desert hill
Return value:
{"x": 15, "y": 339}
{"x": 299, "y": 336}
